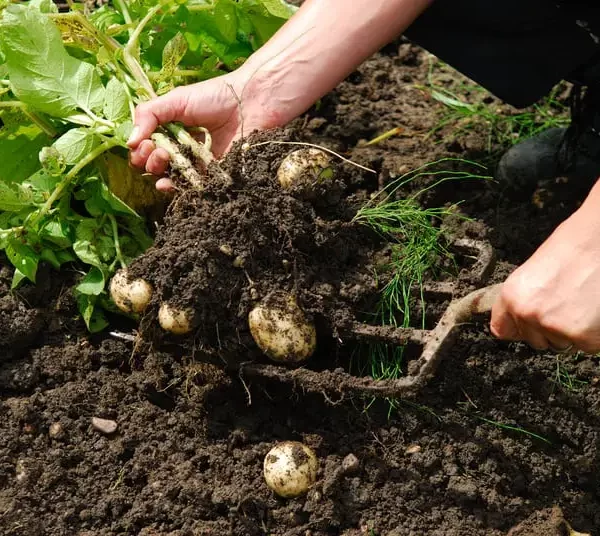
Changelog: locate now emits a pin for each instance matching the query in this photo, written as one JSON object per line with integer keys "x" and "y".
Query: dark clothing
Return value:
{"x": 517, "y": 49}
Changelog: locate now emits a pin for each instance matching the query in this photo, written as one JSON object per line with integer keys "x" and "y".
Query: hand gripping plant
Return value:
{"x": 69, "y": 83}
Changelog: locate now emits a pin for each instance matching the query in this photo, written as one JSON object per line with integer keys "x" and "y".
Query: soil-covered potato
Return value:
{"x": 130, "y": 295}
{"x": 304, "y": 167}
{"x": 290, "y": 469}
{"x": 177, "y": 321}
{"x": 282, "y": 330}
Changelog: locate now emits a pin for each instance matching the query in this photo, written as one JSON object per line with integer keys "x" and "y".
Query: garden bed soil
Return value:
{"x": 491, "y": 445}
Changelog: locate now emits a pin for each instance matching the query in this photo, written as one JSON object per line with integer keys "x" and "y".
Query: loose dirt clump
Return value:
{"x": 223, "y": 250}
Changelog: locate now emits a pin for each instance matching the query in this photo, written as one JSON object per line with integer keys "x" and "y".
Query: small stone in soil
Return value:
{"x": 104, "y": 426}
{"x": 350, "y": 464}
{"x": 412, "y": 449}
{"x": 55, "y": 429}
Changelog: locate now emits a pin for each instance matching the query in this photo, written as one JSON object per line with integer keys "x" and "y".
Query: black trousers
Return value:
{"x": 517, "y": 49}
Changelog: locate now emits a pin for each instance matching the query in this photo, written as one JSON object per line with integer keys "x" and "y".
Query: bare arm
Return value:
{"x": 314, "y": 51}
{"x": 318, "y": 47}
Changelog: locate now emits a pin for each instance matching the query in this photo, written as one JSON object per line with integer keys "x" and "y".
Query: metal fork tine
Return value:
{"x": 389, "y": 334}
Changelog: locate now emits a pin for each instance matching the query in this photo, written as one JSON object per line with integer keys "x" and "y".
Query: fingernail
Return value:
{"x": 134, "y": 135}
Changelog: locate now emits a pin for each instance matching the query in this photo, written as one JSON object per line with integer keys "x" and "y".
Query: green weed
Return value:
{"x": 564, "y": 379}
{"x": 501, "y": 129}
{"x": 512, "y": 428}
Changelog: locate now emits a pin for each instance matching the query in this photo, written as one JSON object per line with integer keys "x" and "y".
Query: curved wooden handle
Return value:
{"x": 483, "y": 299}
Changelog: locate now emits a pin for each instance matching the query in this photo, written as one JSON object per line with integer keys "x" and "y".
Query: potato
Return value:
{"x": 290, "y": 469}
{"x": 130, "y": 296}
{"x": 282, "y": 330}
{"x": 298, "y": 166}
{"x": 174, "y": 320}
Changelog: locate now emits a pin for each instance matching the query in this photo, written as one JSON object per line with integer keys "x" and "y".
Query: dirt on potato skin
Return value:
{"x": 187, "y": 455}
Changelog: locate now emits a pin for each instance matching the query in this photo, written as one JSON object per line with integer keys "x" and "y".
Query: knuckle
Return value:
{"x": 522, "y": 302}
{"x": 142, "y": 108}
{"x": 552, "y": 323}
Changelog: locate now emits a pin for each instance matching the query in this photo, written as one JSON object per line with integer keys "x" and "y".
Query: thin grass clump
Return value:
{"x": 502, "y": 130}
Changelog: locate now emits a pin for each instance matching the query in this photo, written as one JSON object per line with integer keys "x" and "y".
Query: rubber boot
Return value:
{"x": 572, "y": 152}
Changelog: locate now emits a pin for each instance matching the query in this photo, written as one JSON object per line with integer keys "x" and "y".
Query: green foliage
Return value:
{"x": 68, "y": 88}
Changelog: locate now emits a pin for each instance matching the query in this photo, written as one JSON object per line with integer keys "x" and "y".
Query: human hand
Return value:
{"x": 553, "y": 300}
{"x": 213, "y": 104}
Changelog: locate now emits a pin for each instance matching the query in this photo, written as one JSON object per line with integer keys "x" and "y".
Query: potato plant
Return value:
{"x": 69, "y": 84}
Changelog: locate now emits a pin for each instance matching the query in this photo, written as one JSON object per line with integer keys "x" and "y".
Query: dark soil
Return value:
{"x": 492, "y": 444}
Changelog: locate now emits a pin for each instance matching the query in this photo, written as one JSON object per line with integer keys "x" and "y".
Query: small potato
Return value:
{"x": 130, "y": 296}
{"x": 173, "y": 320}
{"x": 290, "y": 469}
{"x": 282, "y": 330}
{"x": 308, "y": 163}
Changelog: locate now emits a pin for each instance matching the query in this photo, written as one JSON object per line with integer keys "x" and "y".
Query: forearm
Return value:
{"x": 318, "y": 47}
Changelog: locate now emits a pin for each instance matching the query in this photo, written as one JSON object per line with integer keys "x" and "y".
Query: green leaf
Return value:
{"x": 100, "y": 200}
{"x": 45, "y": 6}
{"x": 92, "y": 315}
{"x": 58, "y": 233}
{"x": 116, "y": 101}
{"x": 94, "y": 243}
{"x": 42, "y": 181}
{"x": 41, "y": 72}
{"x": 451, "y": 101}
{"x": 93, "y": 283}
{"x": 65, "y": 256}
{"x": 123, "y": 131}
{"x": 18, "y": 278}
{"x": 105, "y": 17}
{"x": 49, "y": 256}
{"x": 14, "y": 197}
{"x": 22, "y": 258}
{"x": 173, "y": 53}
{"x": 84, "y": 245}
{"x": 75, "y": 144}
{"x": 20, "y": 143}
{"x": 277, "y": 8}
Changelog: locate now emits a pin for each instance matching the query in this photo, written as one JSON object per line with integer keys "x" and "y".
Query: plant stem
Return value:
{"x": 124, "y": 9}
{"x": 184, "y": 73}
{"x": 179, "y": 162}
{"x": 135, "y": 36}
{"x": 62, "y": 186}
{"x": 48, "y": 129}
{"x": 115, "y": 230}
{"x": 12, "y": 104}
{"x": 199, "y": 150}
{"x": 18, "y": 229}
{"x": 44, "y": 125}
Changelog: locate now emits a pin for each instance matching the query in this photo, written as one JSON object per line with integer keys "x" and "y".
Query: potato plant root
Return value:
{"x": 187, "y": 455}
